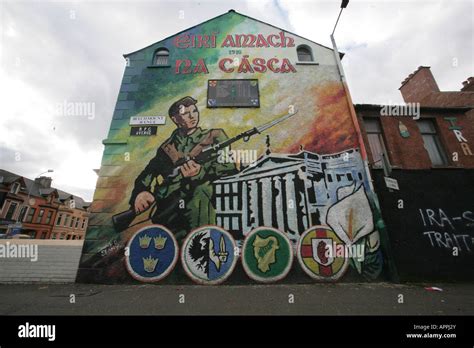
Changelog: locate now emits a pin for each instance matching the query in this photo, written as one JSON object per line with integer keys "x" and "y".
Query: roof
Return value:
{"x": 47, "y": 191}
{"x": 34, "y": 189}
{"x": 78, "y": 201}
{"x": 449, "y": 99}
{"x": 7, "y": 177}
{"x": 422, "y": 107}
{"x": 269, "y": 163}
{"x": 226, "y": 14}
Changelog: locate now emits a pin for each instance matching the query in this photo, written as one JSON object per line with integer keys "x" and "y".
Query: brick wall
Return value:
{"x": 409, "y": 153}
{"x": 419, "y": 85}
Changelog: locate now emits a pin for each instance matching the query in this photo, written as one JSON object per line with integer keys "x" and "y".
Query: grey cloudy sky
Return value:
{"x": 53, "y": 52}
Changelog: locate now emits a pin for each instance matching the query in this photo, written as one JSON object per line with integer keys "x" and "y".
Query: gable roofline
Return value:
{"x": 46, "y": 192}
{"x": 224, "y": 14}
{"x": 35, "y": 190}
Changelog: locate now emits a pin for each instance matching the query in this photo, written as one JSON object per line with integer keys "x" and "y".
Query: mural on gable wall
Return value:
{"x": 303, "y": 171}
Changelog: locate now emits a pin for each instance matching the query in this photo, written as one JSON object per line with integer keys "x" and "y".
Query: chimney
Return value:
{"x": 468, "y": 85}
{"x": 418, "y": 85}
{"x": 44, "y": 181}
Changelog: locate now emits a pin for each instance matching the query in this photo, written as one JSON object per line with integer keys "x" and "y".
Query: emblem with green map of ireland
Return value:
{"x": 267, "y": 255}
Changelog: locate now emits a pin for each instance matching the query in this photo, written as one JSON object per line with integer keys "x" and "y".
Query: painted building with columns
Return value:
{"x": 290, "y": 192}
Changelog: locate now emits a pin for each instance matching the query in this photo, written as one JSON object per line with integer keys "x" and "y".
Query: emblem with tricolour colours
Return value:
{"x": 267, "y": 255}
{"x": 317, "y": 256}
{"x": 208, "y": 255}
{"x": 151, "y": 253}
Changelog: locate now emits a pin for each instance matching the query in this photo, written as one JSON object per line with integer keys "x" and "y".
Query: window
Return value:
{"x": 161, "y": 57}
{"x": 432, "y": 143}
{"x": 58, "y": 221}
{"x": 72, "y": 221}
{"x": 53, "y": 236}
{"x": 77, "y": 223}
{"x": 304, "y": 53}
{"x": 83, "y": 223}
{"x": 11, "y": 211}
{"x": 66, "y": 220}
{"x": 376, "y": 143}
{"x": 23, "y": 210}
{"x": 48, "y": 217}
{"x": 5, "y": 203}
{"x": 30, "y": 215}
{"x": 15, "y": 188}
{"x": 44, "y": 234}
{"x": 62, "y": 235}
{"x": 40, "y": 216}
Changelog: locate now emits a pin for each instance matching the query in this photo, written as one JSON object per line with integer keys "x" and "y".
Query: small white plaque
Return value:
{"x": 147, "y": 120}
{"x": 391, "y": 183}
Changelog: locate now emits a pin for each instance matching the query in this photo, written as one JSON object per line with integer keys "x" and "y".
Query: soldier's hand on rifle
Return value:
{"x": 190, "y": 168}
{"x": 143, "y": 201}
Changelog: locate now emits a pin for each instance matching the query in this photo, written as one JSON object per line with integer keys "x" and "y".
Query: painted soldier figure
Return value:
{"x": 183, "y": 197}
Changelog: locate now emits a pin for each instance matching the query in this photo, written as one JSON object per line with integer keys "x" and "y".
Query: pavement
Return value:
{"x": 278, "y": 299}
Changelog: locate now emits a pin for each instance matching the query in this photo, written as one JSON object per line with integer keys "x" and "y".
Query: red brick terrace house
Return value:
{"x": 36, "y": 206}
{"x": 430, "y": 217}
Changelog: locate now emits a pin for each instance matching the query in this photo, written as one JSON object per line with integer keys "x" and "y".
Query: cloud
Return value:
{"x": 385, "y": 41}
{"x": 58, "y": 52}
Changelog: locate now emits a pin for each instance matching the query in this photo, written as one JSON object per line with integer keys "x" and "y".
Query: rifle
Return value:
{"x": 122, "y": 221}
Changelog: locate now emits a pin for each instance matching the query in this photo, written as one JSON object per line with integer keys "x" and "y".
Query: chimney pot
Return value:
{"x": 44, "y": 181}
{"x": 468, "y": 85}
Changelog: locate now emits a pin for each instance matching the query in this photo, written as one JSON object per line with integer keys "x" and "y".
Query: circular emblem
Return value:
{"x": 321, "y": 254}
{"x": 152, "y": 254}
{"x": 208, "y": 255}
{"x": 267, "y": 255}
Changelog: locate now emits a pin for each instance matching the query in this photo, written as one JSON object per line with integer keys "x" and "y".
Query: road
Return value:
{"x": 285, "y": 299}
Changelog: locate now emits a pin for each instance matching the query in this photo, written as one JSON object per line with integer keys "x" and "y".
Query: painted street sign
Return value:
{"x": 391, "y": 183}
{"x": 322, "y": 254}
{"x": 151, "y": 253}
{"x": 147, "y": 120}
{"x": 208, "y": 255}
{"x": 267, "y": 255}
{"x": 143, "y": 131}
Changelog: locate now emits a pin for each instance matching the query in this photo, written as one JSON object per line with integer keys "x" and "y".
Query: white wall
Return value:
{"x": 57, "y": 261}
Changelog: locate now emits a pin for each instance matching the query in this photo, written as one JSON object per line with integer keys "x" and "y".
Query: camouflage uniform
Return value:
{"x": 194, "y": 194}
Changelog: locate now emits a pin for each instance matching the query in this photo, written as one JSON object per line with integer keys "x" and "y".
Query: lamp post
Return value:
{"x": 338, "y": 59}
{"x": 380, "y": 224}
{"x": 350, "y": 105}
